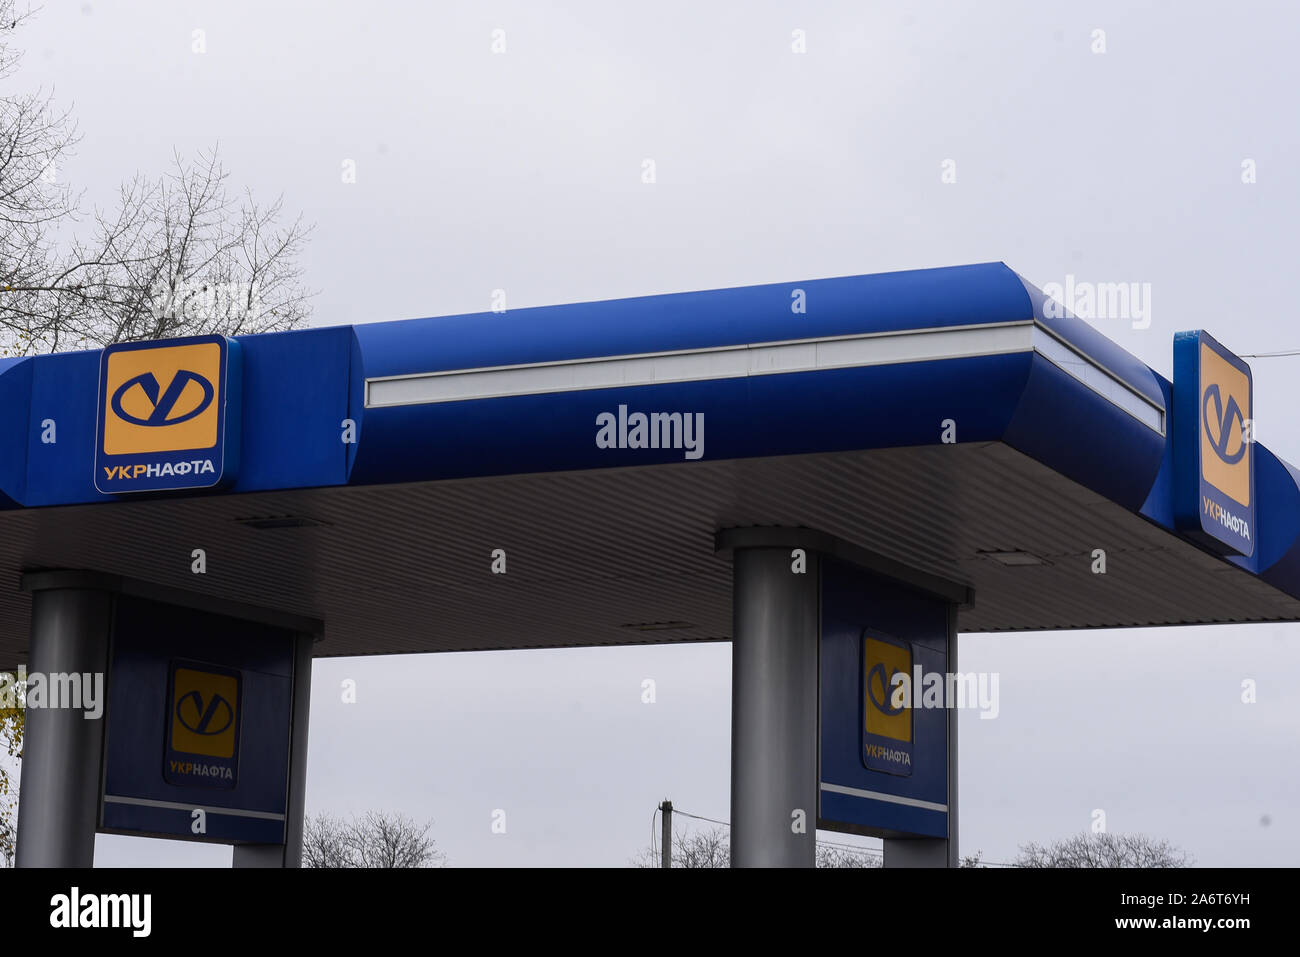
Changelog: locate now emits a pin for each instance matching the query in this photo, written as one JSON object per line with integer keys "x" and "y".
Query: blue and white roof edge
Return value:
{"x": 820, "y": 366}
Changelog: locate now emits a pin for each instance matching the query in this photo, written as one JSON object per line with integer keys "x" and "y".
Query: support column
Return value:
{"x": 289, "y": 854}
{"x": 58, "y": 809}
{"x": 954, "y": 847}
{"x": 774, "y": 709}
{"x": 935, "y": 852}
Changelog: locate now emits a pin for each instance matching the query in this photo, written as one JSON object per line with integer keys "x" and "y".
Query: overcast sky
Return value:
{"x": 522, "y": 171}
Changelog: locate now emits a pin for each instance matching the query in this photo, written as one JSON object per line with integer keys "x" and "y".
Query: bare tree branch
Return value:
{"x": 1104, "y": 850}
{"x": 376, "y": 839}
{"x": 174, "y": 256}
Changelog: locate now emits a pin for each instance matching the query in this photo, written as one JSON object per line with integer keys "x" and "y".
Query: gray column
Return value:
{"x": 935, "y": 852}
{"x": 58, "y": 808}
{"x": 954, "y": 848}
{"x": 289, "y": 854}
{"x": 774, "y": 685}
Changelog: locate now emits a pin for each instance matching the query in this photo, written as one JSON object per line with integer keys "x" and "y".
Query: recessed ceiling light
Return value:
{"x": 1015, "y": 558}
{"x": 281, "y": 521}
{"x": 658, "y": 625}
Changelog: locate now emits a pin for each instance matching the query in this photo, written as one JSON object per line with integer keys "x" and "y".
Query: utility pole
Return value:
{"x": 666, "y": 858}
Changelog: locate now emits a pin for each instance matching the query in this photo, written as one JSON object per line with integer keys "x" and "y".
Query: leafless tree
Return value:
{"x": 376, "y": 839}
{"x": 34, "y": 138}
{"x": 830, "y": 855}
{"x": 324, "y": 842}
{"x": 706, "y": 848}
{"x": 1104, "y": 850}
{"x": 176, "y": 255}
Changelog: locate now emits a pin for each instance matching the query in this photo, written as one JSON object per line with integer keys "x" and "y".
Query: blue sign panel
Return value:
{"x": 884, "y": 744}
{"x": 1214, "y": 451}
{"x": 198, "y": 721}
{"x": 168, "y": 415}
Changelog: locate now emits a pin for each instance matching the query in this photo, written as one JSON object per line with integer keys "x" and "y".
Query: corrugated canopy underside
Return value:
{"x": 626, "y": 556}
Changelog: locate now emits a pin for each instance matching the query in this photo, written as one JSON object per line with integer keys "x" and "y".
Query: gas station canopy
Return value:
{"x": 558, "y": 476}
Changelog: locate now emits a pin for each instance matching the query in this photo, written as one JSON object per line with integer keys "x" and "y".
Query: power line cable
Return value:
{"x": 849, "y": 847}
{"x": 700, "y": 817}
{"x": 653, "y": 854}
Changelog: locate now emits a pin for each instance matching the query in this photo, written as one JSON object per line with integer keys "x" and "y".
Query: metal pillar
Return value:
{"x": 58, "y": 809}
{"x": 289, "y": 854}
{"x": 954, "y": 847}
{"x": 666, "y": 834}
{"x": 774, "y": 708}
{"x": 935, "y": 852}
